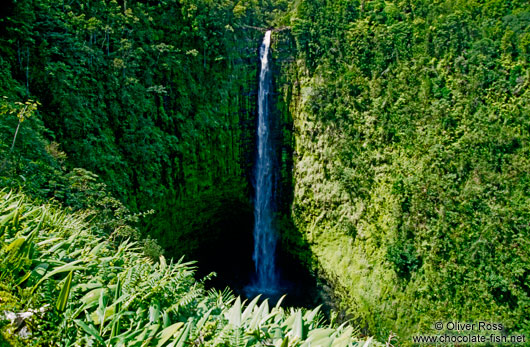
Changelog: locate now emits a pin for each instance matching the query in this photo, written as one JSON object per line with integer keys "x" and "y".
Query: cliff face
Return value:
{"x": 410, "y": 142}
{"x": 157, "y": 99}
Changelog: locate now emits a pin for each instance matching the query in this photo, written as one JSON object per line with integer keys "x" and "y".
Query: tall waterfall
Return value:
{"x": 264, "y": 233}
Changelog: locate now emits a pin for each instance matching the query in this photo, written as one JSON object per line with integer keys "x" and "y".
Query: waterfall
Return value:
{"x": 264, "y": 233}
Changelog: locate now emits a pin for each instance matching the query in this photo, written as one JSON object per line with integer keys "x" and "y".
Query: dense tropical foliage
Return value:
{"x": 127, "y": 140}
{"x": 154, "y": 98}
{"x": 411, "y": 143}
{"x": 64, "y": 282}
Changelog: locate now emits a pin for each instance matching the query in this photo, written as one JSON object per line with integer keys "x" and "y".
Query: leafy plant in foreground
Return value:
{"x": 78, "y": 288}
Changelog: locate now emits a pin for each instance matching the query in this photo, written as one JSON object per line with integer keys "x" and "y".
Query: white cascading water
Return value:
{"x": 264, "y": 233}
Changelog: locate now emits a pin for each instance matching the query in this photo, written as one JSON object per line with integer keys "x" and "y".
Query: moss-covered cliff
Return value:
{"x": 410, "y": 148}
{"x": 156, "y": 98}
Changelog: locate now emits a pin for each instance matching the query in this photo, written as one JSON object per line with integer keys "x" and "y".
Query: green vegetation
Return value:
{"x": 127, "y": 136}
{"x": 411, "y": 138}
{"x": 156, "y": 99}
{"x": 65, "y": 283}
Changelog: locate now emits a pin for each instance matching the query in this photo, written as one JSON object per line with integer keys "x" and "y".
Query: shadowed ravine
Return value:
{"x": 250, "y": 259}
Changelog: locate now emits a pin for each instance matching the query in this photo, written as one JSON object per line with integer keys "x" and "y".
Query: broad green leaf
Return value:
{"x": 25, "y": 277}
{"x": 16, "y": 244}
{"x": 168, "y": 333}
{"x": 342, "y": 341}
{"x": 279, "y": 303}
{"x": 101, "y": 314}
{"x": 183, "y": 337}
{"x": 65, "y": 292}
{"x": 96, "y": 249}
{"x": 163, "y": 264}
{"x": 151, "y": 333}
{"x": 4, "y": 220}
{"x": 298, "y": 325}
{"x": 310, "y": 315}
{"x": 92, "y": 295}
{"x": 65, "y": 268}
{"x": 54, "y": 248}
{"x": 259, "y": 314}
{"x": 321, "y": 337}
{"x": 50, "y": 240}
{"x": 248, "y": 310}
{"x": 116, "y": 321}
{"x": 234, "y": 315}
{"x": 203, "y": 320}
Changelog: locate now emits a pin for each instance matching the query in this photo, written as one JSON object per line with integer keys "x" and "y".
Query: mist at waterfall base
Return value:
{"x": 253, "y": 264}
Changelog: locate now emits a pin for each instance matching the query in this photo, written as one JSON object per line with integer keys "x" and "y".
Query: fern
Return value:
{"x": 119, "y": 296}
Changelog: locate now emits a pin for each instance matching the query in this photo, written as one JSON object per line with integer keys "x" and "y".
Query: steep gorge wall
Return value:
{"x": 156, "y": 98}
{"x": 410, "y": 141}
